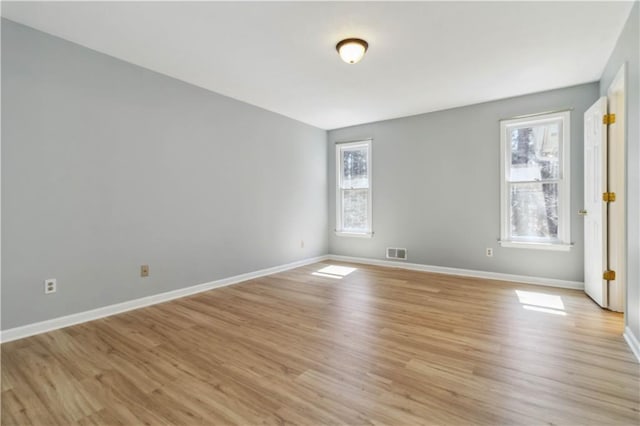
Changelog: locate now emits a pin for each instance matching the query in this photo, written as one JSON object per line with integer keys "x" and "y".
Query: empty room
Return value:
{"x": 320, "y": 213}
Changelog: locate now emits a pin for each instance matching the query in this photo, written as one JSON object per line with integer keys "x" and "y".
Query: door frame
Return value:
{"x": 616, "y": 182}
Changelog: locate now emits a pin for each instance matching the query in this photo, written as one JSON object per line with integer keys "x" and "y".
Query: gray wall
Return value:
{"x": 107, "y": 166}
{"x": 627, "y": 51}
{"x": 436, "y": 187}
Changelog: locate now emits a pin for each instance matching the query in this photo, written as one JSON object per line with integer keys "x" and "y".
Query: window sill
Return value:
{"x": 536, "y": 246}
{"x": 354, "y": 234}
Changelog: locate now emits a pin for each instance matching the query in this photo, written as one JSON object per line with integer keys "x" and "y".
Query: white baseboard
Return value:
{"x": 549, "y": 282}
{"x": 68, "y": 320}
{"x": 633, "y": 342}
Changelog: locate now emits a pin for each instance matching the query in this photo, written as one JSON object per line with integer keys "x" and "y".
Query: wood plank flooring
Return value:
{"x": 318, "y": 346}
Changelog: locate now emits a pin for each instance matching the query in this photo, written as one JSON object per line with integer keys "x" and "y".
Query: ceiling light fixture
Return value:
{"x": 352, "y": 50}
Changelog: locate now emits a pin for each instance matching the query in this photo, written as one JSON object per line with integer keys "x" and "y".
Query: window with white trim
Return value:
{"x": 534, "y": 165}
{"x": 353, "y": 192}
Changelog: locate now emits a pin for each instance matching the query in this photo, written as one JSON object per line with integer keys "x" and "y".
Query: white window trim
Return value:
{"x": 339, "y": 231}
{"x": 564, "y": 185}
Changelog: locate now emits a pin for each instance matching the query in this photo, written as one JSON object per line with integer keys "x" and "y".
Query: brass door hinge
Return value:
{"x": 609, "y": 275}
{"x": 608, "y": 119}
{"x": 608, "y": 197}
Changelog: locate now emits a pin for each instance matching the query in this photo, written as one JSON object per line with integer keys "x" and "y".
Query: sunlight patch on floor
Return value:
{"x": 545, "y": 310}
{"x": 541, "y": 302}
{"x": 334, "y": 271}
{"x": 320, "y": 274}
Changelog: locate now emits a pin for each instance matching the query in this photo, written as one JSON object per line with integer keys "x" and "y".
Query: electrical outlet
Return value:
{"x": 489, "y": 252}
{"x": 50, "y": 286}
{"x": 144, "y": 270}
{"x": 301, "y": 243}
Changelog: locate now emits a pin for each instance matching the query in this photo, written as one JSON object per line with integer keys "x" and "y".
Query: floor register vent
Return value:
{"x": 396, "y": 253}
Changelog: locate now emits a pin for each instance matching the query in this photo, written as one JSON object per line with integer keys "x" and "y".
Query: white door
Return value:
{"x": 615, "y": 183}
{"x": 595, "y": 209}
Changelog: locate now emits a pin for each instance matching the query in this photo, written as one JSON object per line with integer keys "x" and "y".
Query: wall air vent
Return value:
{"x": 396, "y": 253}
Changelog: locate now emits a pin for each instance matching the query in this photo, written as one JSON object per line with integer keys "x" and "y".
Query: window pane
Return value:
{"x": 534, "y": 211}
{"x": 355, "y": 203}
{"x": 354, "y": 168}
{"x": 535, "y": 152}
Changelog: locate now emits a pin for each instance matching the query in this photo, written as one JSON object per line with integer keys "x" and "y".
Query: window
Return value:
{"x": 535, "y": 181}
{"x": 353, "y": 193}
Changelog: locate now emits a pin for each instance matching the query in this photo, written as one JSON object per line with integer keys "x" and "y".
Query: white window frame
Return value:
{"x": 563, "y": 243}
{"x": 340, "y": 147}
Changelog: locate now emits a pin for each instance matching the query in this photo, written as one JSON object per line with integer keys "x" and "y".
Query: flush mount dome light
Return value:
{"x": 351, "y": 50}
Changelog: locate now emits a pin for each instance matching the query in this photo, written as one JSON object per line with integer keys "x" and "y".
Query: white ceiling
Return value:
{"x": 423, "y": 56}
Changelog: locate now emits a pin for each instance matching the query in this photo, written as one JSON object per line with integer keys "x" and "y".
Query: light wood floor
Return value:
{"x": 378, "y": 346}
